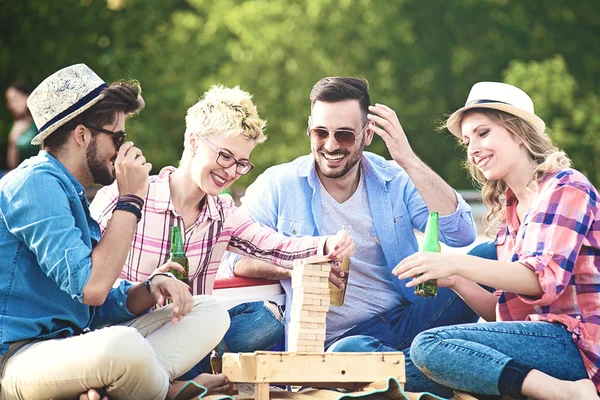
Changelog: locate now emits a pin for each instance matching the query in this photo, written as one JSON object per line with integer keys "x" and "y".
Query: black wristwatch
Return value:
{"x": 148, "y": 281}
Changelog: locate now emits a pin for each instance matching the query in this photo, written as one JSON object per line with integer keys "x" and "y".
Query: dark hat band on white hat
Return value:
{"x": 497, "y": 96}
{"x": 81, "y": 103}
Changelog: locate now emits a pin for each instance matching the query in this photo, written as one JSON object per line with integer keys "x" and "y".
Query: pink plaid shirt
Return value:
{"x": 220, "y": 226}
{"x": 559, "y": 239}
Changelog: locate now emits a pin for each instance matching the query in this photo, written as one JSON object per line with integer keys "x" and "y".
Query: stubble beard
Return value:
{"x": 98, "y": 170}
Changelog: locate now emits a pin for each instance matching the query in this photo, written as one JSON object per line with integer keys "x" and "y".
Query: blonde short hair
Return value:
{"x": 226, "y": 112}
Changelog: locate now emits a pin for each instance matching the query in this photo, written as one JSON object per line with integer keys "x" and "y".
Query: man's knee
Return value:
{"x": 354, "y": 344}
{"x": 121, "y": 347}
{"x": 209, "y": 307}
{"x": 485, "y": 250}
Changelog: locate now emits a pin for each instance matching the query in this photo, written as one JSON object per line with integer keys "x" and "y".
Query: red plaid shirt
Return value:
{"x": 220, "y": 226}
{"x": 559, "y": 239}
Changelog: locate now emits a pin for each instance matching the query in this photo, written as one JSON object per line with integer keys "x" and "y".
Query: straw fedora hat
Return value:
{"x": 497, "y": 96}
{"x": 62, "y": 96}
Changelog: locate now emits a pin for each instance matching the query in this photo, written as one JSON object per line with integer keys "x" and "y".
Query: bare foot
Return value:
{"x": 92, "y": 394}
{"x": 583, "y": 389}
{"x": 215, "y": 384}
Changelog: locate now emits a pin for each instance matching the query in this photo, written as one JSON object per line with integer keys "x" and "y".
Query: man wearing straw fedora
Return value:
{"x": 65, "y": 331}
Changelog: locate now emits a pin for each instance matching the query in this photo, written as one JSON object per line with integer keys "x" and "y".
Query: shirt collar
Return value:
{"x": 161, "y": 191}
{"x": 381, "y": 174}
{"x": 76, "y": 184}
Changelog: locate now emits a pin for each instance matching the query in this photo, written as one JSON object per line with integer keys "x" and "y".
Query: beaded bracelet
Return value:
{"x": 132, "y": 198}
{"x": 121, "y": 205}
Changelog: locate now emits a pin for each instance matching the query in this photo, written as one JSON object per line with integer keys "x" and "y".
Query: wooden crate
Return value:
{"x": 348, "y": 370}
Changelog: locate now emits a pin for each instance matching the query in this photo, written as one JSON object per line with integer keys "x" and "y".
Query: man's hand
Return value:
{"x": 168, "y": 266}
{"x": 164, "y": 287}
{"x": 388, "y": 127}
{"x": 337, "y": 276}
{"x": 132, "y": 170}
{"x": 339, "y": 246}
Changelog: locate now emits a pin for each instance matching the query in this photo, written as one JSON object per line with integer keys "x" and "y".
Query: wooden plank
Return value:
{"x": 261, "y": 391}
{"x": 280, "y": 367}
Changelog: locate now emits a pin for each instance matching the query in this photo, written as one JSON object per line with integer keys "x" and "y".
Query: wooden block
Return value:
{"x": 315, "y": 290}
{"x": 281, "y": 367}
{"x": 310, "y": 307}
{"x": 304, "y": 295}
{"x": 311, "y": 349}
{"x": 316, "y": 260}
{"x": 319, "y": 319}
{"x": 308, "y": 284}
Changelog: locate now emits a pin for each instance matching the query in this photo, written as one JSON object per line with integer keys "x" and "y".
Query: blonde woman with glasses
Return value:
{"x": 222, "y": 129}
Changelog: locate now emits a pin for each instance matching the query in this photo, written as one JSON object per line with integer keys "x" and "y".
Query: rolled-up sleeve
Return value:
{"x": 554, "y": 237}
{"x": 114, "y": 310}
{"x": 458, "y": 229}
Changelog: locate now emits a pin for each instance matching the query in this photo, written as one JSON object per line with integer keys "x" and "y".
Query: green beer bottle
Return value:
{"x": 178, "y": 256}
{"x": 430, "y": 243}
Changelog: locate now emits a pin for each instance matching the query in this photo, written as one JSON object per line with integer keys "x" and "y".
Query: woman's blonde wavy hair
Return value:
{"x": 546, "y": 156}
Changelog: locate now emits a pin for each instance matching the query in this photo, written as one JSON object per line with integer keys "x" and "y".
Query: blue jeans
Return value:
{"x": 253, "y": 327}
{"x": 471, "y": 357}
{"x": 396, "y": 329}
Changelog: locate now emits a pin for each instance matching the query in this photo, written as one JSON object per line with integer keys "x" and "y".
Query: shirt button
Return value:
{"x": 121, "y": 303}
{"x": 578, "y": 317}
{"x": 294, "y": 232}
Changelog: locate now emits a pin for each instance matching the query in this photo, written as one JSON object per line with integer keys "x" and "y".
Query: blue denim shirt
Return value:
{"x": 46, "y": 241}
{"x": 287, "y": 198}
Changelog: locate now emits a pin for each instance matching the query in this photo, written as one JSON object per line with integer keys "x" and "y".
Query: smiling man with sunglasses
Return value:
{"x": 382, "y": 200}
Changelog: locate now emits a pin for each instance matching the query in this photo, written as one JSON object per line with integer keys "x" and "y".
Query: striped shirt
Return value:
{"x": 220, "y": 226}
{"x": 559, "y": 239}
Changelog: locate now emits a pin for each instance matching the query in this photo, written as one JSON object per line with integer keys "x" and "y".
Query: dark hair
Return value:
{"x": 22, "y": 87}
{"x": 337, "y": 88}
{"x": 125, "y": 96}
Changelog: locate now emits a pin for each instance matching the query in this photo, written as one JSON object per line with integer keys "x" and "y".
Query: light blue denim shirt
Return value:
{"x": 46, "y": 240}
{"x": 287, "y": 198}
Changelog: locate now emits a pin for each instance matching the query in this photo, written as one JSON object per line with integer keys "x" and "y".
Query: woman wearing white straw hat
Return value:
{"x": 546, "y": 341}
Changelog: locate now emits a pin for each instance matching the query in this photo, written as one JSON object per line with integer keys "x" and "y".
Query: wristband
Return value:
{"x": 148, "y": 281}
{"x": 129, "y": 207}
{"x": 132, "y": 198}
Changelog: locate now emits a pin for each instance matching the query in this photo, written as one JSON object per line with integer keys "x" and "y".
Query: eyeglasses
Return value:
{"x": 345, "y": 137}
{"x": 117, "y": 136}
{"x": 226, "y": 160}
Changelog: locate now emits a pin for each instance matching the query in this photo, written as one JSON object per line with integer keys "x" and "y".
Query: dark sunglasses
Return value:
{"x": 345, "y": 137}
{"x": 118, "y": 136}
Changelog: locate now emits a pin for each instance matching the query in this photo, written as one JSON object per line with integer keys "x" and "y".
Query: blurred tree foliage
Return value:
{"x": 420, "y": 57}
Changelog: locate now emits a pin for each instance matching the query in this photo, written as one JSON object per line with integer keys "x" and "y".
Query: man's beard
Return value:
{"x": 100, "y": 173}
{"x": 351, "y": 159}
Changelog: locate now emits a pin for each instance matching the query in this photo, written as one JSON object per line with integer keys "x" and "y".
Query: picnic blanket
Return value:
{"x": 388, "y": 389}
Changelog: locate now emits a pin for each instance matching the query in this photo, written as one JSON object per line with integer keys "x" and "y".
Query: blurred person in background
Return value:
{"x": 23, "y": 129}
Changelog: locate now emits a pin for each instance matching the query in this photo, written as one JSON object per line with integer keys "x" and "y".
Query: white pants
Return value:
{"x": 134, "y": 360}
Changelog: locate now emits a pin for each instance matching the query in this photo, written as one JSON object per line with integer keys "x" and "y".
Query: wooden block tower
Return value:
{"x": 310, "y": 281}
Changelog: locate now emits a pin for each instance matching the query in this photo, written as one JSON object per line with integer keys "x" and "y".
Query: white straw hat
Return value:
{"x": 62, "y": 96}
{"x": 497, "y": 96}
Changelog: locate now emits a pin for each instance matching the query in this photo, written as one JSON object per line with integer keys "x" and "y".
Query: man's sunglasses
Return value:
{"x": 345, "y": 137}
{"x": 118, "y": 136}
